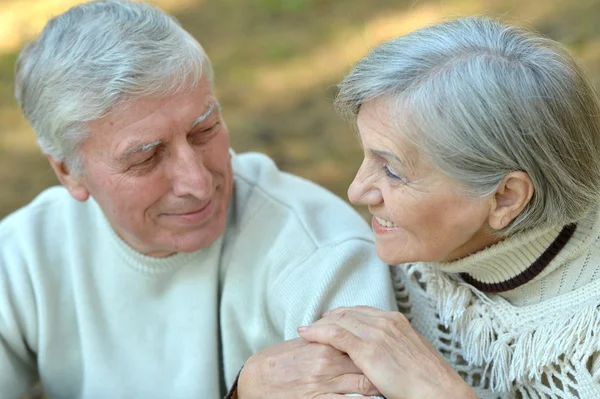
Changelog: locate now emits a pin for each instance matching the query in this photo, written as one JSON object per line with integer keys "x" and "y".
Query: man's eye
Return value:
{"x": 205, "y": 134}
{"x": 145, "y": 162}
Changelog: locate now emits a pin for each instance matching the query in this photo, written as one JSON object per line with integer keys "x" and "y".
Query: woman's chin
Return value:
{"x": 392, "y": 257}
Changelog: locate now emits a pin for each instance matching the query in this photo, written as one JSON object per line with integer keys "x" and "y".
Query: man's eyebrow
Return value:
{"x": 137, "y": 147}
{"x": 206, "y": 114}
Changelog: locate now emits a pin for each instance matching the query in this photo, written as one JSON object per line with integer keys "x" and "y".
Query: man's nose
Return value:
{"x": 190, "y": 175}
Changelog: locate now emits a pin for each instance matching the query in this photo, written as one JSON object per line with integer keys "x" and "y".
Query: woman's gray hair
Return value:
{"x": 97, "y": 56}
{"x": 481, "y": 99}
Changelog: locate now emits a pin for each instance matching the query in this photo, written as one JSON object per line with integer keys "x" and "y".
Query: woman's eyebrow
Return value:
{"x": 386, "y": 154}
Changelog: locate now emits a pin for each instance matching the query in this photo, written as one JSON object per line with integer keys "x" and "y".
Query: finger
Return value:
{"x": 336, "y": 310}
{"x": 367, "y": 323}
{"x": 331, "y": 334}
{"x": 355, "y": 383}
{"x": 367, "y": 310}
{"x": 327, "y": 365}
{"x": 357, "y": 323}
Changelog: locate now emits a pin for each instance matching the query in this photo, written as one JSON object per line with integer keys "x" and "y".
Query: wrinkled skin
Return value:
{"x": 297, "y": 369}
{"x": 393, "y": 356}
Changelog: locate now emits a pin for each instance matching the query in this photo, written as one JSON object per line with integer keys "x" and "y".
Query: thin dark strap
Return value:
{"x": 232, "y": 394}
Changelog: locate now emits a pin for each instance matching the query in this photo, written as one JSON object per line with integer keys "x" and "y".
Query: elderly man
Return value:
{"x": 165, "y": 260}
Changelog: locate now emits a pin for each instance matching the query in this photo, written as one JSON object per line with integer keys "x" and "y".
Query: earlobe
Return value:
{"x": 71, "y": 182}
{"x": 510, "y": 198}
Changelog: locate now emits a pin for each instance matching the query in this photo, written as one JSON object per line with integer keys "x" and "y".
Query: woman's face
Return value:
{"x": 418, "y": 213}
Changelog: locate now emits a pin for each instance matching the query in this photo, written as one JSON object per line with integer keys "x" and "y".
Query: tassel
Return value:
{"x": 521, "y": 357}
{"x": 477, "y": 342}
{"x": 511, "y": 356}
{"x": 453, "y": 299}
{"x": 499, "y": 374}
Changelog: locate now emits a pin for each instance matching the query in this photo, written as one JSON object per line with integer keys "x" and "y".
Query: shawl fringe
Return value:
{"x": 509, "y": 356}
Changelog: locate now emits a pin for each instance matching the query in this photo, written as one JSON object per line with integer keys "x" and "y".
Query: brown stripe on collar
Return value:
{"x": 533, "y": 270}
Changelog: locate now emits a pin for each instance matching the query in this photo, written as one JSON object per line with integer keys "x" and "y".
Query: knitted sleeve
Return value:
{"x": 345, "y": 274}
{"x": 17, "y": 312}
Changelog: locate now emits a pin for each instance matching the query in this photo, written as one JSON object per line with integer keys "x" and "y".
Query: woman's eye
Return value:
{"x": 393, "y": 175}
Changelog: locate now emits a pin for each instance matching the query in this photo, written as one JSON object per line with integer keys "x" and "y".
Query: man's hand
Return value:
{"x": 297, "y": 369}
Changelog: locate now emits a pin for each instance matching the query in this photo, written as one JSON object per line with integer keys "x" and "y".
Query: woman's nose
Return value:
{"x": 363, "y": 190}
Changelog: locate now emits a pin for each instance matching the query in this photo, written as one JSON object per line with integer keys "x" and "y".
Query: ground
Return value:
{"x": 277, "y": 63}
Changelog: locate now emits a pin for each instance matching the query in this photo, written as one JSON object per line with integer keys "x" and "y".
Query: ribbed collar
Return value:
{"x": 524, "y": 257}
{"x": 152, "y": 265}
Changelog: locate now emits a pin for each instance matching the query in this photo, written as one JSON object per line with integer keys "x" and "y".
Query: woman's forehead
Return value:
{"x": 378, "y": 126}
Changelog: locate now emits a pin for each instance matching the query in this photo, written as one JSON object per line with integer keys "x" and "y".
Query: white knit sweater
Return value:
{"x": 97, "y": 319}
{"x": 540, "y": 340}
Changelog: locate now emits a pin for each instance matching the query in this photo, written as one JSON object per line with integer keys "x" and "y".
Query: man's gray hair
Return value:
{"x": 481, "y": 99}
{"x": 98, "y": 56}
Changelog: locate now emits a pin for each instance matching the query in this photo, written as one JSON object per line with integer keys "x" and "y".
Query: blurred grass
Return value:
{"x": 277, "y": 63}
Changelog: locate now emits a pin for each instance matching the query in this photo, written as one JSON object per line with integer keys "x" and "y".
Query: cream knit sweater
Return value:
{"x": 97, "y": 319}
{"x": 539, "y": 340}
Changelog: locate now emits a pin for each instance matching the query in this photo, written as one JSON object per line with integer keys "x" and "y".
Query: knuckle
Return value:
{"x": 363, "y": 385}
{"x": 342, "y": 314}
{"x": 317, "y": 370}
{"x": 338, "y": 310}
{"x": 337, "y": 333}
{"x": 383, "y": 323}
{"x": 398, "y": 318}
{"x": 355, "y": 383}
{"x": 381, "y": 334}
{"x": 323, "y": 359}
{"x": 321, "y": 352}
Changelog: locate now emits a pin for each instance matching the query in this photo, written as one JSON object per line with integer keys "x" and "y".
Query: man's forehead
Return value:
{"x": 136, "y": 111}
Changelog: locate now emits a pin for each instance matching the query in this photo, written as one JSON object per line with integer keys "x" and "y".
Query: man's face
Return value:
{"x": 160, "y": 169}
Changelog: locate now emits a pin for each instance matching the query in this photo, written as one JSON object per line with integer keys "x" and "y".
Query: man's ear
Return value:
{"x": 72, "y": 182}
{"x": 510, "y": 198}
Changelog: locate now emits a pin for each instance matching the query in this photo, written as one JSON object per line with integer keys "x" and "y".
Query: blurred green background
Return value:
{"x": 277, "y": 63}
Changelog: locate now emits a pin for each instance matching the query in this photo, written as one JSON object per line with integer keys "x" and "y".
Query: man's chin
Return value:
{"x": 197, "y": 240}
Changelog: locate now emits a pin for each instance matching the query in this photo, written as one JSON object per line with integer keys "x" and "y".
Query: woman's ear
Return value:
{"x": 512, "y": 195}
{"x": 72, "y": 183}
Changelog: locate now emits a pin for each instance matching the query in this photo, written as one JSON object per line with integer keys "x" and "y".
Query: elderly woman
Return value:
{"x": 482, "y": 172}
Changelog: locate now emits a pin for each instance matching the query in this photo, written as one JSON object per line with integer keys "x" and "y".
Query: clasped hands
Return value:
{"x": 360, "y": 350}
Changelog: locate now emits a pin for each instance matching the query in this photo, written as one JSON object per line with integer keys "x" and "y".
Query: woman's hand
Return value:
{"x": 394, "y": 357}
{"x": 297, "y": 369}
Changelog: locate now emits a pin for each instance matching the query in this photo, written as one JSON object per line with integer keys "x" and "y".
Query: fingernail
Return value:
{"x": 302, "y": 329}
